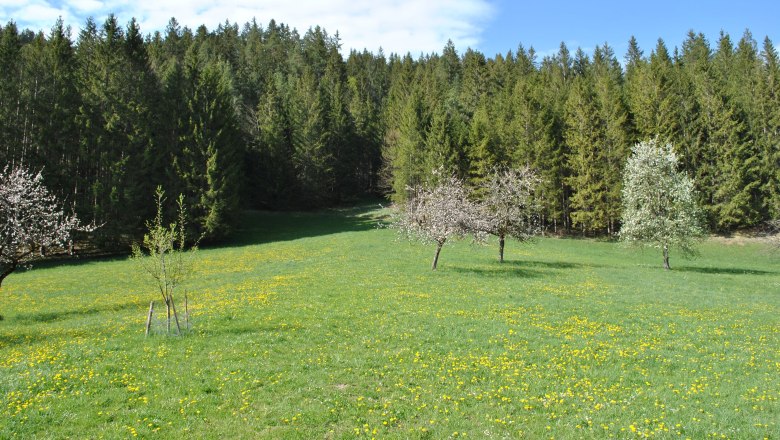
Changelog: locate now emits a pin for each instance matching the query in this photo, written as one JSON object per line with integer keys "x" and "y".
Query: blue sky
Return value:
{"x": 587, "y": 24}
{"x": 424, "y": 26}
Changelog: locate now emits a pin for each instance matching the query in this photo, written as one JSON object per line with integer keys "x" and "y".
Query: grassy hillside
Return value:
{"x": 320, "y": 325}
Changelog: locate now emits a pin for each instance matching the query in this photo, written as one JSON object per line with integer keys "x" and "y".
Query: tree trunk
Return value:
{"x": 186, "y": 312}
{"x": 501, "y": 248}
{"x": 436, "y": 257}
{"x": 175, "y": 316}
{"x": 6, "y": 270}
{"x": 666, "y": 258}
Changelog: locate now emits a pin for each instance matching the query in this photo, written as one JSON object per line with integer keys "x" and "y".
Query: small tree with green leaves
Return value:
{"x": 659, "y": 202}
{"x": 164, "y": 256}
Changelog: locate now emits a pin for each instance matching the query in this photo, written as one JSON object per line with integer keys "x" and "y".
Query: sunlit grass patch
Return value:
{"x": 319, "y": 325}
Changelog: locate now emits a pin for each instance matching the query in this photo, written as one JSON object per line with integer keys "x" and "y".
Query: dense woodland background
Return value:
{"x": 262, "y": 117}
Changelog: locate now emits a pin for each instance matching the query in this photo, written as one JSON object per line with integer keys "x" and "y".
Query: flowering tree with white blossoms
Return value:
{"x": 508, "y": 207}
{"x": 31, "y": 220}
{"x": 659, "y": 203}
{"x": 435, "y": 215}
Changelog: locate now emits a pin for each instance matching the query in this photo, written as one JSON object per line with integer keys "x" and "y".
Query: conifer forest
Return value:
{"x": 261, "y": 116}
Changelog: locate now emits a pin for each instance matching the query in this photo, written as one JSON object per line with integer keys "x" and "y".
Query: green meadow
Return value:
{"x": 321, "y": 325}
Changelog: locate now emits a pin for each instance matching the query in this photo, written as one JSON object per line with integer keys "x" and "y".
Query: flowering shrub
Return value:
{"x": 31, "y": 220}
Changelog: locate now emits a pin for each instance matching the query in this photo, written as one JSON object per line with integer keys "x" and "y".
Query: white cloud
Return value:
{"x": 39, "y": 11}
{"x": 398, "y": 26}
{"x": 86, "y": 6}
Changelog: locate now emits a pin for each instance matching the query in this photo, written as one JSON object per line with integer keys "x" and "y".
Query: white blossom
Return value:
{"x": 435, "y": 215}
{"x": 508, "y": 207}
{"x": 31, "y": 220}
{"x": 659, "y": 202}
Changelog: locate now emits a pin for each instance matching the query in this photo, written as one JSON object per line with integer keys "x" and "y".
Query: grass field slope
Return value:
{"x": 321, "y": 325}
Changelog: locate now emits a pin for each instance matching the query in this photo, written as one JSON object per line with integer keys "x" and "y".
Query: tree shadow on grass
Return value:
{"x": 45, "y": 317}
{"x": 497, "y": 271}
{"x": 546, "y": 264}
{"x": 31, "y": 335}
{"x": 75, "y": 260}
{"x": 258, "y": 227}
{"x": 16, "y": 339}
{"x": 556, "y": 265}
{"x": 722, "y": 270}
{"x": 521, "y": 268}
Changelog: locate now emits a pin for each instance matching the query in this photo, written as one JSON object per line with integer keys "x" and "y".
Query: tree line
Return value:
{"x": 264, "y": 117}
{"x": 574, "y": 118}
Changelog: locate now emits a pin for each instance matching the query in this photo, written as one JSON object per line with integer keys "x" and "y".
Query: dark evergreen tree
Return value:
{"x": 441, "y": 153}
{"x": 613, "y": 122}
{"x": 652, "y": 96}
{"x": 252, "y": 75}
{"x": 10, "y": 94}
{"x": 340, "y": 141}
{"x": 33, "y": 88}
{"x": 584, "y": 138}
{"x": 533, "y": 134}
{"x": 769, "y": 138}
{"x": 473, "y": 82}
{"x": 270, "y": 177}
{"x": 208, "y": 164}
{"x": 61, "y": 131}
{"x": 104, "y": 125}
{"x": 486, "y": 151}
{"x": 311, "y": 158}
{"x": 692, "y": 72}
{"x": 404, "y": 148}
{"x": 367, "y": 82}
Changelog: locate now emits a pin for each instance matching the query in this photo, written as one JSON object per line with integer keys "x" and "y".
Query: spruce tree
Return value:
{"x": 769, "y": 138}
{"x": 271, "y": 180}
{"x": 693, "y": 74}
{"x": 473, "y": 82}
{"x": 533, "y": 129}
{"x": 311, "y": 158}
{"x": 404, "y": 148}
{"x": 367, "y": 83}
{"x": 440, "y": 150}
{"x": 208, "y": 164}
{"x": 652, "y": 96}
{"x": 584, "y": 137}
{"x": 10, "y": 93}
{"x": 613, "y": 116}
{"x": 33, "y": 101}
{"x": 729, "y": 166}
{"x": 103, "y": 129}
{"x": 486, "y": 152}
{"x": 59, "y": 131}
{"x": 340, "y": 142}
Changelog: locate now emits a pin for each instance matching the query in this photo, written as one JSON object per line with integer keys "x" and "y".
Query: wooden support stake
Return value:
{"x": 149, "y": 318}
{"x": 186, "y": 311}
{"x": 175, "y": 316}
